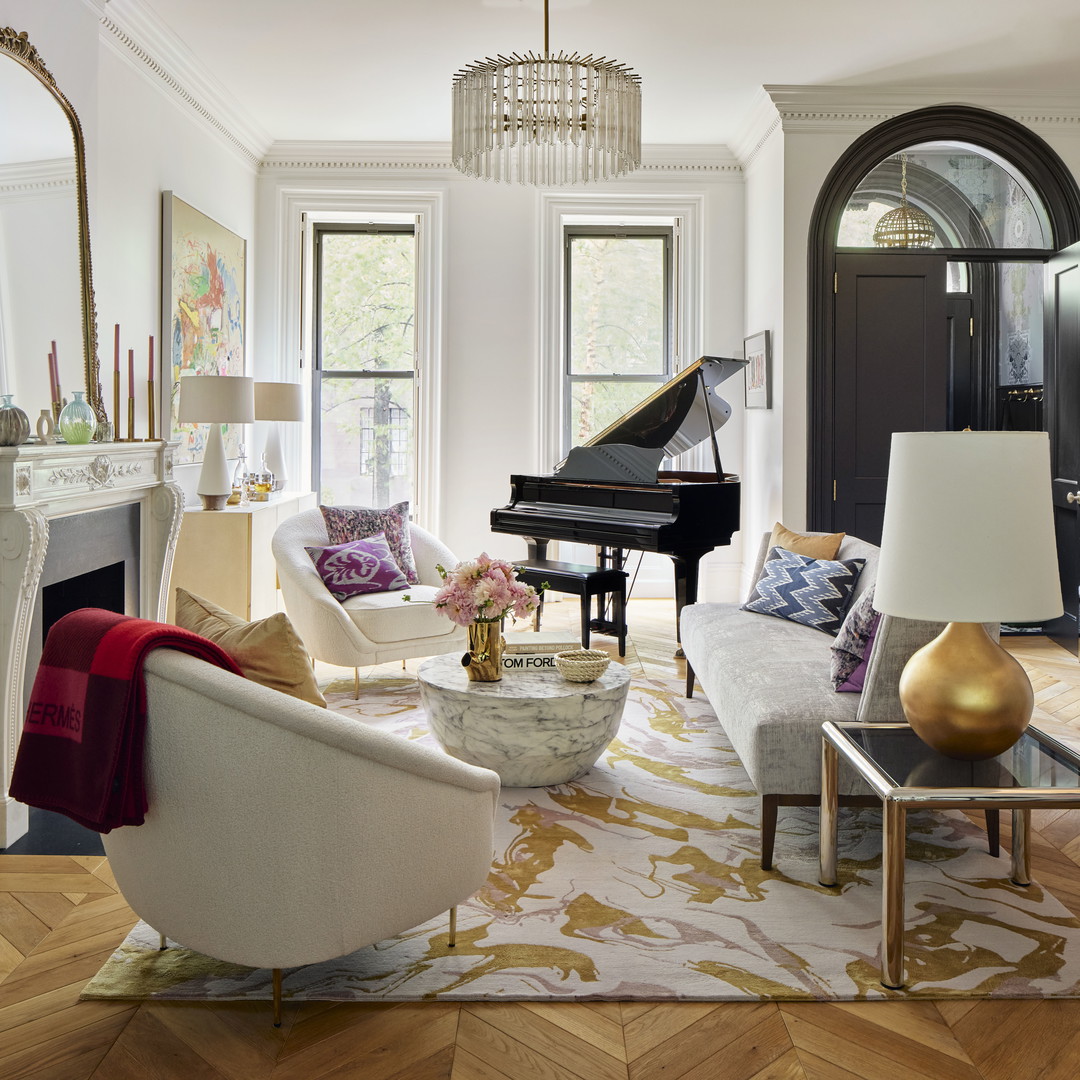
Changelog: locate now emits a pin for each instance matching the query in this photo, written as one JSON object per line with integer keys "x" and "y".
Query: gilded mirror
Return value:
{"x": 46, "y": 289}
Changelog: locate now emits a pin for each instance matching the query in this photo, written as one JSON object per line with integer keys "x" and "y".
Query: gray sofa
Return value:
{"x": 768, "y": 681}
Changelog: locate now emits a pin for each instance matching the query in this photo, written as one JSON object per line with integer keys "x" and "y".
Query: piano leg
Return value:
{"x": 686, "y": 585}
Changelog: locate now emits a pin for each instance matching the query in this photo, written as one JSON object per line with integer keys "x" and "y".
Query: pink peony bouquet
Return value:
{"x": 484, "y": 590}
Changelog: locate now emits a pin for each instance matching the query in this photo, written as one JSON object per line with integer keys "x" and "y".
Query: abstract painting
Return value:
{"x": 203, "y": 307}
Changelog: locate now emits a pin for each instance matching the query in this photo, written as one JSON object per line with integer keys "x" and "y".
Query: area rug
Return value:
{"x": 641, "y": 881}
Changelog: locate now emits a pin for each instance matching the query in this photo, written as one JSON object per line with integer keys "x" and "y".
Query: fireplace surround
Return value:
{"x": 47, "y": 489}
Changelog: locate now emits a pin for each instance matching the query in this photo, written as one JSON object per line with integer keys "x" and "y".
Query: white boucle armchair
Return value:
{"x": 280, "y": 834}
{"x": 368, "y": 629}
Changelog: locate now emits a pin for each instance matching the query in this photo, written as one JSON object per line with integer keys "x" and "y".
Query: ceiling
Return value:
{"x": 380, "y": 70}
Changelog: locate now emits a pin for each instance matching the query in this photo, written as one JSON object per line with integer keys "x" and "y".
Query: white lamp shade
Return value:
{"x": 279, "y": 401}
{"x": 969, "y": 530}
{"x": 217, "y": 399}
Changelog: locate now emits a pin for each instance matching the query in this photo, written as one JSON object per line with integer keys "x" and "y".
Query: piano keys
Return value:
{"x": 611, "y": 493}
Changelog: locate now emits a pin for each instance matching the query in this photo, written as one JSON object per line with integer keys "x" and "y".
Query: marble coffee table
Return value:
{"x": 533, "y": 728}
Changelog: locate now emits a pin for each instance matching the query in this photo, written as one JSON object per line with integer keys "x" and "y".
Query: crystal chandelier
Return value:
{"x": 906, "y": 226}
{"x": 546, "y": 120}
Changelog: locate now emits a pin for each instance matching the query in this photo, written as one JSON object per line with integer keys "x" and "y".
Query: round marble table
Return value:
{"x": 534, "y": 728}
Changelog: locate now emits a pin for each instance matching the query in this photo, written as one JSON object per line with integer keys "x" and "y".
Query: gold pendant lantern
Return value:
{"x": 906, "y": 226}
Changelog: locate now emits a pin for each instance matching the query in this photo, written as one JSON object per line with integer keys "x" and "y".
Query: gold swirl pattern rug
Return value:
{"x": 641, "y": 881}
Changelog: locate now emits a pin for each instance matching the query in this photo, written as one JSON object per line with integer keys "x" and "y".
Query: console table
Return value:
{"x": 1037, "y": 773}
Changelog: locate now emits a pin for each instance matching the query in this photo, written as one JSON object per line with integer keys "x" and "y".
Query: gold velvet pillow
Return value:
{"x": 268, "y": 651}
{"x": 813, "y": 547}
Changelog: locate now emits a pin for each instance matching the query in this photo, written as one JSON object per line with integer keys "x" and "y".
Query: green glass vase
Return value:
{"x": 77, "y": 420}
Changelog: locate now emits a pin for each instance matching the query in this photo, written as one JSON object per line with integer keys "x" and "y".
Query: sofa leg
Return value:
{"x": 769, "y": 804}
{"x": 993, "y": 832}
{"x": 356, "y": 683}
{"x": 689, "y": 680}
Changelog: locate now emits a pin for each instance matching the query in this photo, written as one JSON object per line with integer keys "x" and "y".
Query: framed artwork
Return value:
{"x": 204, "y": 276}
{"x": 757, "y": 351}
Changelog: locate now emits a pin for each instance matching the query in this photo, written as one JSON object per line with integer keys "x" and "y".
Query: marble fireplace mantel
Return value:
{"x": 38, "y": 483}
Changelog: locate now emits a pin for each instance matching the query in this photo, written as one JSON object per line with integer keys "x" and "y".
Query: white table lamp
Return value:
{"x": 968, "y": 539}
{"x": 276, "y": 402}
{"x": 216, "y": 400}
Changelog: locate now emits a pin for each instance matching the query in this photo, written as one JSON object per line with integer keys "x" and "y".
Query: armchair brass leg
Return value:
{"x": 277, "y": 997}
{"x": 162, "y": 946}
{"x": 356, "y": 683}
{"x": 452, "y": 939}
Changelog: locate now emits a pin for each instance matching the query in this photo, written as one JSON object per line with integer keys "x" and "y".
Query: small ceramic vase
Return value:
{"x": 46, "y": 428}
{"x": 14, "y": 425}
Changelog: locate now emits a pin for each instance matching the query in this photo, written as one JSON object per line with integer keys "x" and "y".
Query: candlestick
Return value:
{"x": 131, "y": 420}
{"x": 150, "y": 407}
{"x": 116, "y": 404}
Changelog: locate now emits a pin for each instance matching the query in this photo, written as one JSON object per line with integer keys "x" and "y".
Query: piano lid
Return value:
{"x": 675, "y": 419}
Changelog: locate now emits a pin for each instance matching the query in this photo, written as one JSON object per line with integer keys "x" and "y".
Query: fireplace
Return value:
{"x": 80, "y": 526}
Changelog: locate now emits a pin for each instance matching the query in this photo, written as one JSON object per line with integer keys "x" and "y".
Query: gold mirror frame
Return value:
{"x": 16, "y": 44}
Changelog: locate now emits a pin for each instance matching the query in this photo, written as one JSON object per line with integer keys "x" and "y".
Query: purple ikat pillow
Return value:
{"x": 359, "y": 566}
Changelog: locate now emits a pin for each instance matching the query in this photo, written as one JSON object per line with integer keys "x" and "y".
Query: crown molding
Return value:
{"x": 38, "y": 179}
{"x": 660, "y": 160}
{"x": 136, "y": 34}
{"x": 761, "y": 121}
{"x": 854, "y": 108}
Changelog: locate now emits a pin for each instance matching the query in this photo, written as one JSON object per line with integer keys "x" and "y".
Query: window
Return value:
{"x": 618, "y": 324}
{"x": 365, "y": 360}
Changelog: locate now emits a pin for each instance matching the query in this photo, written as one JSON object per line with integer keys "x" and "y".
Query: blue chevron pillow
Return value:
{"x": 814, "y": 592}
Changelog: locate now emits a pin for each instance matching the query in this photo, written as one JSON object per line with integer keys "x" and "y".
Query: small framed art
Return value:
{"x": 757, "y": 349}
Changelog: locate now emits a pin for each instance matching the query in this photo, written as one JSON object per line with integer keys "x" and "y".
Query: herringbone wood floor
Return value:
{"x": 60, "y": 918}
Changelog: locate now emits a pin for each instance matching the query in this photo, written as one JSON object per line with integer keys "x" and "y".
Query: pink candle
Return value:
{"x": 150, "y": 375}
{"x": 116, "y": 348}
{"x": 131, "y": 373}
{"x": 52, "y": 379}
{"x": 54, "y": 373}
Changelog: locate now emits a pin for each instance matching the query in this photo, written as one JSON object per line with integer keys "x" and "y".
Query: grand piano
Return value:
{"x": 610, "y": 492}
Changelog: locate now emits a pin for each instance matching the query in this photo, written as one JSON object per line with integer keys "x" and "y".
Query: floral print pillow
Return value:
{"x": 347, "y": 523}
{"x": 851, "y": 649}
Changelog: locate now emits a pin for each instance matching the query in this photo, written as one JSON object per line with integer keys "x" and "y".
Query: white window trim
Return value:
{"x": 299, "y": 209}
{"x": 686, "y": 213}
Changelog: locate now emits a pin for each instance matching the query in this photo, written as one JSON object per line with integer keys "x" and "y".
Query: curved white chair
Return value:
{"x": 281, "y": 834}
{"x": 374, "y": 627}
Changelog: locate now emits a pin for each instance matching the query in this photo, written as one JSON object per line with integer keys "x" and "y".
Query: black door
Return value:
{"x": 1062, "y": 380}
{"x": 891, "y": 374}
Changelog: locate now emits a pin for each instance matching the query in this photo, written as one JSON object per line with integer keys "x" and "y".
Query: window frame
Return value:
{"x": 668, "y": 233}
{"x": 319, "y": 373}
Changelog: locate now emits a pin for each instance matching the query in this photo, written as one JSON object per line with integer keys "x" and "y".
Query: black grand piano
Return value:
{"x": 611, "y": 492}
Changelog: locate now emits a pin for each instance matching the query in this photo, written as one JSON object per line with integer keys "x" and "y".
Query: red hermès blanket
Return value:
{"x": 81, "y": 751}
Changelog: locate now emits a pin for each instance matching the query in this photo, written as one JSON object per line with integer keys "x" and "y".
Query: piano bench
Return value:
{"x": 584, "y": 581}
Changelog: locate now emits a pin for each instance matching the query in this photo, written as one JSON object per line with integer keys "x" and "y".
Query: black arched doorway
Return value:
{"x": 830, "y": 506}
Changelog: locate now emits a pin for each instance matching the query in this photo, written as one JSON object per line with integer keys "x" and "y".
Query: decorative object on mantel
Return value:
{"x": 46, "y": 428}
{"x": 277, "y": 402}
{"x": 77, "y": 420}
{"x": 546, "y": 120}
{"x": 478, "y": 595}
{"x": 216, "y": 400}
{"x": 994, "y": 560}
{"x": 14, "y": 424}
{"x": 905, "y": 226}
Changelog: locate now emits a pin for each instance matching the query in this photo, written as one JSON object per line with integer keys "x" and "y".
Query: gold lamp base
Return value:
{"x": 965, "y": 695}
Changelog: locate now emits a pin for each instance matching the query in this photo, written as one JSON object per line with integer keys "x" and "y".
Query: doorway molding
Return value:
{"x": 984, "y": 129}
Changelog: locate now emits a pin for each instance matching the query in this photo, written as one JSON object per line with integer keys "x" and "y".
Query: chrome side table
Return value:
{"x": 1037, "y": 773}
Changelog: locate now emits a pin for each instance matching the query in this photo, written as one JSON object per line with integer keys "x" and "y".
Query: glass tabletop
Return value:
{"x": 907, "y": 762}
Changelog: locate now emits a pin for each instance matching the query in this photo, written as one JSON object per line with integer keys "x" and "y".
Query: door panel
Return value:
{"x": 1062, "y": 380}
{"x": 891, "y": 374}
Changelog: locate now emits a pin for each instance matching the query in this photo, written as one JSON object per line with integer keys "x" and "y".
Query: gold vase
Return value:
{"x": 485, "y": 650}
{"x": 965, "y": 695}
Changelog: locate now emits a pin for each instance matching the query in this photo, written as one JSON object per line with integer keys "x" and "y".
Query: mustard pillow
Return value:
{"x": 813, "y": 547}
{"x": 268, "y": 651}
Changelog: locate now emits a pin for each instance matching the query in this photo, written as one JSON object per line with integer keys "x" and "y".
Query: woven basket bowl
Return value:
{"x": 582, "y": 665}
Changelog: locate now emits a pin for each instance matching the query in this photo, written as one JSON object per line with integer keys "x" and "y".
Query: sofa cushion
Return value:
{"x": 267, "y": 651}
{"x": 849, "y": 649}
{"x": 813, "y": 592}
{"x": 388, "y": 617}
{"x": 345, "y": 523}
{"x": 768, "y": 682}
{"x": 815, "y": 545}
{"x": 359, "y": 566}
